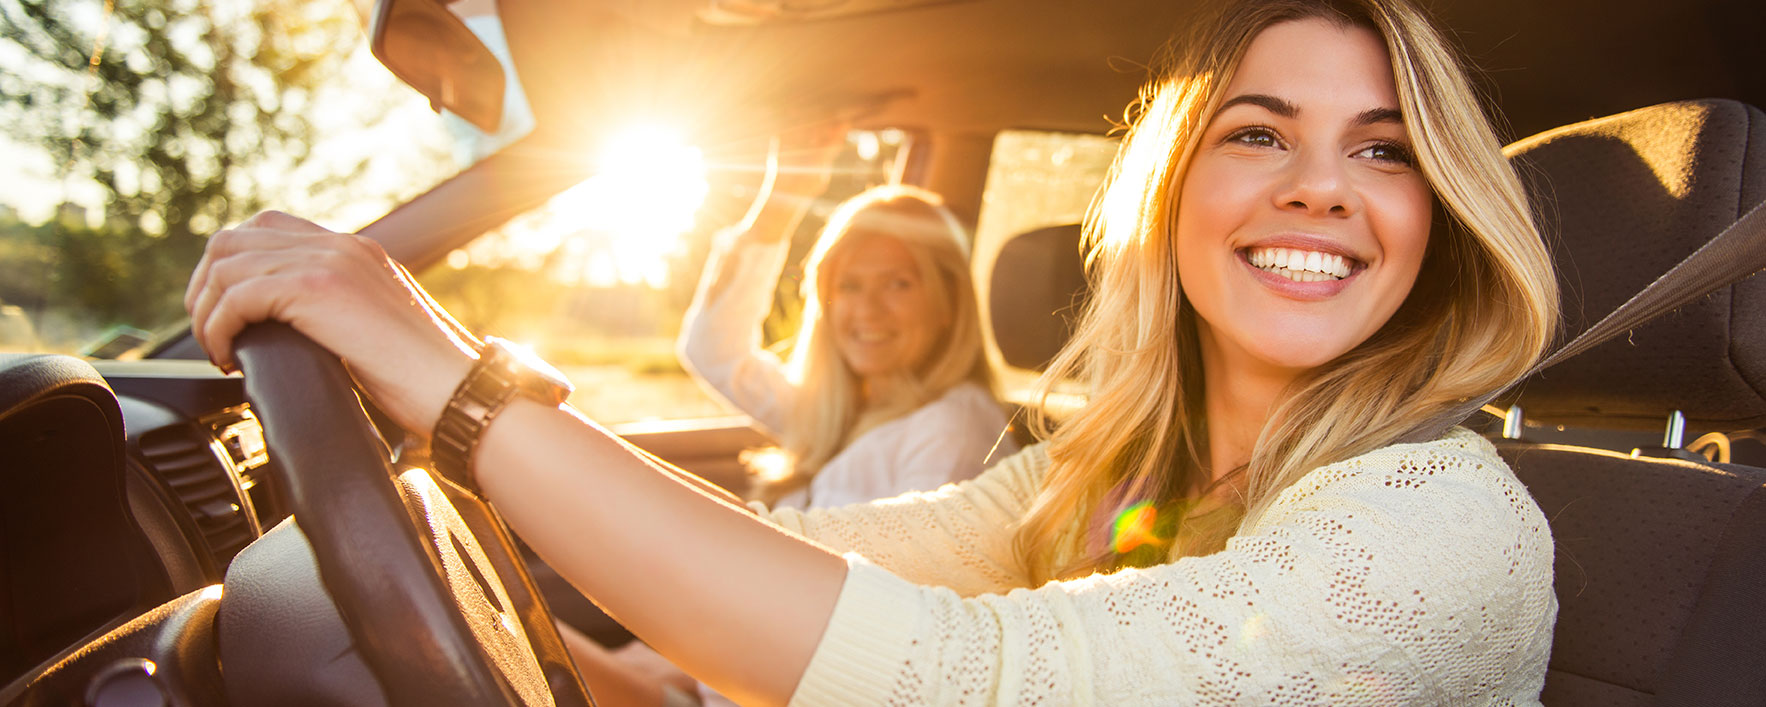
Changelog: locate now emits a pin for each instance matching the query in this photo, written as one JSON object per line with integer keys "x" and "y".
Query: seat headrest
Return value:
{"x": 1037, "y": 285}
{"x": 1622, "y": 199}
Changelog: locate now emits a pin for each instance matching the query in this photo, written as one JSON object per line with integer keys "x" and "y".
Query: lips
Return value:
{"x": 870, "y": 337}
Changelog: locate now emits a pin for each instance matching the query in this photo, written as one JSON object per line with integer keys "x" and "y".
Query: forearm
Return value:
{"x": 738, "y": 603}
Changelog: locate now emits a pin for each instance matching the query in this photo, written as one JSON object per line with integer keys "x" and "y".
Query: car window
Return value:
{"x": 132, "y": 131}
{"x": 597, "y": 279}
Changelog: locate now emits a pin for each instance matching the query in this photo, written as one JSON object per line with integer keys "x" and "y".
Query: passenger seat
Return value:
{"x": 1661, "y": 555}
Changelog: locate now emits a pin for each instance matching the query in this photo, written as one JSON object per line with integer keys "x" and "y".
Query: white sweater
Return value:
{"x": 1414, "y": 574}
{"x": 949, "y": 439}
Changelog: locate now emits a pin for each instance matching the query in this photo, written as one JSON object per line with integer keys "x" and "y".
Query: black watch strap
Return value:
{"x": 502, "y": 372}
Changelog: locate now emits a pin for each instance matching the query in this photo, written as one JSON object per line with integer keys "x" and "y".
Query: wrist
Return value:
{"x": 504, "y": 372}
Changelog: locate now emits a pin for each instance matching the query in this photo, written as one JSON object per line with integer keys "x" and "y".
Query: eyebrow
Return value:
{"x": 1286, "y": 109}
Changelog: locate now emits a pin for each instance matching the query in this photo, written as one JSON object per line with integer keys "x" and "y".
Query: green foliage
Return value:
{"x": 175, "y": 111}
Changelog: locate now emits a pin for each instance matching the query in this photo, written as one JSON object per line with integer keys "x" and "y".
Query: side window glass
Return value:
{"x": 597, "y": 279}
{"x": 130, "y": 132}
{"x": 1035, "y": 180}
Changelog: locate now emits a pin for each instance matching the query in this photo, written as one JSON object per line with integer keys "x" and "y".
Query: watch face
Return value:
{"x": 534, "y": 376}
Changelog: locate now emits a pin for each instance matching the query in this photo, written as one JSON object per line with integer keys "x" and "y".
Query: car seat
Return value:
{"x": 1661, "y": 555}
{"x": 1661, "y": 560}
{"x": 85, "y": 544}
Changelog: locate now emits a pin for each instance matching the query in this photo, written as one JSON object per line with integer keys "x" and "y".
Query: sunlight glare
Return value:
{"x": 649, "y": 183}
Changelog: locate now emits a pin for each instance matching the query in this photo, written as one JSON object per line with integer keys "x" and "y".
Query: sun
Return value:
{"x": 617, "y": 227}
{"x": 648, "y": 183}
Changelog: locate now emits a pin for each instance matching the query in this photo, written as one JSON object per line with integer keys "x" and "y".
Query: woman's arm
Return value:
{"x": 720, "y": 339}
{"x": 1412, "y": 575}
{"x": 959, "y": 536}
{"x": 733, "y": 600}
{"x": 737, "y": 602}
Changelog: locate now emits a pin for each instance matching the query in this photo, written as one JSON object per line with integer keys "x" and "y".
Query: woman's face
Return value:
{"x": 884, "y": 320}
{"x": 1303, "y": 219}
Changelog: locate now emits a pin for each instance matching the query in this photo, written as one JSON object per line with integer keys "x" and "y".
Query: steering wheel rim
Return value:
{"x": 410, "y": 565}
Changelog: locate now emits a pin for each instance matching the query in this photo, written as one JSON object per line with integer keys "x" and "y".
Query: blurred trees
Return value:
{"x": 182, "y": 113}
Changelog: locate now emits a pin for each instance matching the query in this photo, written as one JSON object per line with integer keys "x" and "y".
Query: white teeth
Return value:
{"x": 1301, "y": 265}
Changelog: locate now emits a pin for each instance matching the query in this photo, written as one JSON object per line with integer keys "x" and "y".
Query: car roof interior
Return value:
{"x": 958, "y": 71}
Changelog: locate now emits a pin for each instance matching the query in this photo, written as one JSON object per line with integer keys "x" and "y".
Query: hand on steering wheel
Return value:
{"x": 427, "y": 581}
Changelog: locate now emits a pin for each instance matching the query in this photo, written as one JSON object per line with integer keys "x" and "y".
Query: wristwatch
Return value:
{"x": 504, "y": 369}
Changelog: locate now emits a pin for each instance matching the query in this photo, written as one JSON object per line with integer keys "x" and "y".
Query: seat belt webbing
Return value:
{"x": 1735, "y": 253}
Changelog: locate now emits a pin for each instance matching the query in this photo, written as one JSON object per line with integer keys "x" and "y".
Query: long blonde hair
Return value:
{"x": 827, "y": 414}
{"x": 1483, "y": 308}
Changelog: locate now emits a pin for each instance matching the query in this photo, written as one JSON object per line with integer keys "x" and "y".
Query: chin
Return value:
{"x": 1299, "y": 353}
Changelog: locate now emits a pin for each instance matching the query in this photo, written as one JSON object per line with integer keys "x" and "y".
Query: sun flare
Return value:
{"x": 620, "y": 225}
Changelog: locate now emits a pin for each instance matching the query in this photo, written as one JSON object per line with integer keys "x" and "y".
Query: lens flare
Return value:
{"x": 1134, "y": 528}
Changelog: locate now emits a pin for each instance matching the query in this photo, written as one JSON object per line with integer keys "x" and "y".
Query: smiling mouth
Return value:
{"x": 1302, "y": 265}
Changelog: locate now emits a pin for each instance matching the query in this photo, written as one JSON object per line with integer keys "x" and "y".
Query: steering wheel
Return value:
{"x": 424, "y": 576}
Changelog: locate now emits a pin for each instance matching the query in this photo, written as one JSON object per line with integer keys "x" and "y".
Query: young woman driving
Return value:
{"x": 1309, "y": 244}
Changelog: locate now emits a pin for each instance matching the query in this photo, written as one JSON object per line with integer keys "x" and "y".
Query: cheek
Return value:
{"x": 1214, "y": 201}
{"x": 1402, "y": 224}
{"x": 835, "y": 311}
{"x": 911, "y": 308}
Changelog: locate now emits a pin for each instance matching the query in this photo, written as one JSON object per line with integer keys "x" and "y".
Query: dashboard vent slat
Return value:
{"x": 187, "y": 460}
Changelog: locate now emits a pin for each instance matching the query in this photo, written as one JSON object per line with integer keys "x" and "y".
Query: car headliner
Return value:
{"x": 959, "y": 71}
{"x": 982, "y": 65}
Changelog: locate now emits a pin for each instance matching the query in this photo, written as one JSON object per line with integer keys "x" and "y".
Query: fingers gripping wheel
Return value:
{"x": 427, "y": 584}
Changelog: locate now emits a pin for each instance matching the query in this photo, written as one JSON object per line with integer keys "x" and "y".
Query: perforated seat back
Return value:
{"x": 1658, "y": 577}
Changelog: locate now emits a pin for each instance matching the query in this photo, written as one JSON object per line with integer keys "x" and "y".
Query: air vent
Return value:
{"x": 199, "y": 470}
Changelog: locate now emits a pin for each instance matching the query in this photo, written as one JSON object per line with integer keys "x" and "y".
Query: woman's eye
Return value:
{"x": 1390, "y": 152}
{"x": 846, "y": 288}
{"x": 1255, "y": 136}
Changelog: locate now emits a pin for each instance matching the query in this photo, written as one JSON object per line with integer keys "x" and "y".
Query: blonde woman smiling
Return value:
{"x": 1310, "y": 244}
{"x": 886, "y": 389}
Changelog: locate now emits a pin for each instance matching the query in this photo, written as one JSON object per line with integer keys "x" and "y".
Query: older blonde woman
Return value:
{"x": 886, "y": 389}
{"x": 1310, "y": 243}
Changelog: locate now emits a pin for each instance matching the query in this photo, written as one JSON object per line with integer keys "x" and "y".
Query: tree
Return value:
{"x": 183, "y": 113}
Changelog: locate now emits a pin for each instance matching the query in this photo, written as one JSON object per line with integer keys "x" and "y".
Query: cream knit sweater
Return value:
{"x": 1415, "y": 574}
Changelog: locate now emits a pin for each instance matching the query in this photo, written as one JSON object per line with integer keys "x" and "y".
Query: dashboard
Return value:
{"x": 125, "y": 485}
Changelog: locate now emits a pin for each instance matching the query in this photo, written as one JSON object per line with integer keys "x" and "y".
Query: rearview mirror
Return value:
{"x": 427, "y": 46}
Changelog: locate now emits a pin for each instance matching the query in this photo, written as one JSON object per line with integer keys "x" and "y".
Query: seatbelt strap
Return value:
{"x": 1736, "y": 253}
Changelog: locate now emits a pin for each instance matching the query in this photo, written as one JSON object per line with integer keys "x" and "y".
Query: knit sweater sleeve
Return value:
{"x": 958, "y": 536}
{"x": 720, "y": 340}
{"x": 1416, "y": 574}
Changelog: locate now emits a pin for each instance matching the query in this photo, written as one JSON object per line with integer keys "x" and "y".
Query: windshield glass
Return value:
{"x": 132, "y": 130}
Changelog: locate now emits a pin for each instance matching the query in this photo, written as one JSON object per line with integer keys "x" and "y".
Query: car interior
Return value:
{"x": 149, "y": 549}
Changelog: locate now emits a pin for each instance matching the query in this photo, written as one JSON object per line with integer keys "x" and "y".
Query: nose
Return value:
{"x": 864, "y": 302}
{"x": 1317, "y": 184}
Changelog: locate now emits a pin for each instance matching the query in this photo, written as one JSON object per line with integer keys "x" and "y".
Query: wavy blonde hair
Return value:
{"x": 827, "y": 414}
{"x": 1482, "y": 310}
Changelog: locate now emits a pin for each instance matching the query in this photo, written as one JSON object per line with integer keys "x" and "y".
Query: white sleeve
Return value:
{"x": 1423, "y": 576}
{"x": 958, "y": 535}
{"x": 720, "y": 335}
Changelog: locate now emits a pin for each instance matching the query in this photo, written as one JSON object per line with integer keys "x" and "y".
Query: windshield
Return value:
{"x": 132, "y": 130}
